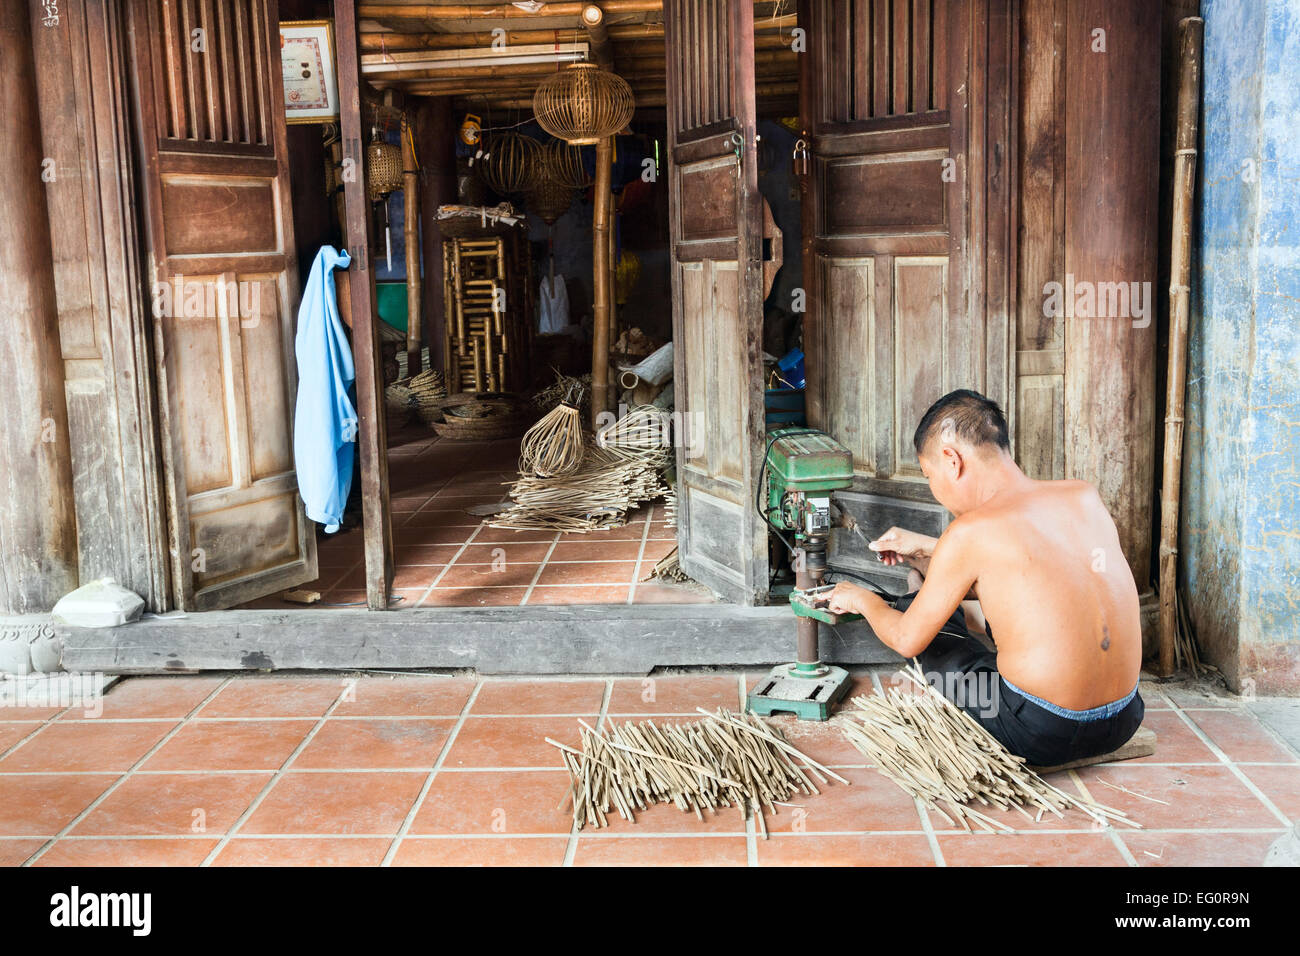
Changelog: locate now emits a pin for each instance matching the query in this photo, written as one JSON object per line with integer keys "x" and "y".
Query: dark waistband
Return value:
{"x": 1093, "y": 713}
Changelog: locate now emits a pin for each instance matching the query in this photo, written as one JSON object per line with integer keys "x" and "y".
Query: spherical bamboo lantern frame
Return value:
{"x": 563, "y": 163}
{"x": 512, "y": 163}
{"x": 583, "y": 104}
{"x": 549, "y": 200}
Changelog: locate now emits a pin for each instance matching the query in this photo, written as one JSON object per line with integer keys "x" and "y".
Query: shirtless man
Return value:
{"x": 1044, "y": 560}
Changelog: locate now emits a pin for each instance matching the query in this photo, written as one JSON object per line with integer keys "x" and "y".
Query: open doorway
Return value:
{"x": 430, "y": 84}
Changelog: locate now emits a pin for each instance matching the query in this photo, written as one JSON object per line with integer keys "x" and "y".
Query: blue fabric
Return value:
{"x": 1094, "y": 713}
{"x": 325, "y": 420}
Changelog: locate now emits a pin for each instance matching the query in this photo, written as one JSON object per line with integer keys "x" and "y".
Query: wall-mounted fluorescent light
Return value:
{"x": 478, "y": 56}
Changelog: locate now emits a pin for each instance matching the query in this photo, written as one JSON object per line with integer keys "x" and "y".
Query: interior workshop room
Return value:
{"x": 650, "y": 433}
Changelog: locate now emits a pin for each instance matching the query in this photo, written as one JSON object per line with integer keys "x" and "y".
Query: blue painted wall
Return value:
{"x": 1241, "y": 505}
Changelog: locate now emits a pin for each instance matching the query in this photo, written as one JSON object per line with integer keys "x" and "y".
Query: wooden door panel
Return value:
{"x": 848, "y": 288}
{"x": 224, "y": 275}
{"x": 921, "y": 322}
{"x": 716, "y": 226}
{"x": 900, "y": 314}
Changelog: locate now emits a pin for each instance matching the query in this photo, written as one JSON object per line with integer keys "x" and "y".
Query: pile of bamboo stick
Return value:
{"x": 618, "y": 474}
{"x": 939, "y": 754}
{"x": 598, "y": 495}
{"x": 726, "y": 760}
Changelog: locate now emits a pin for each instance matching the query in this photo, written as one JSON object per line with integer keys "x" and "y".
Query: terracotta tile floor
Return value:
{"x": 447, "y": 557}
{"x": 364, "y": 770}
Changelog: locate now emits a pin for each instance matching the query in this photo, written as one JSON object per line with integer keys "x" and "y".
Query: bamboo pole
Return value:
{"x": 410, "y": 229}
{"x": 600, "y": 283}
{"x": 1190, "y": 32}
{"x": 624, "y": 34}
{"x": 593, "y": 19}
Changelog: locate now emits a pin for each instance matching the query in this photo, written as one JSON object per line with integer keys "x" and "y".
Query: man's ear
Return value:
{"x": 952, "y": 459}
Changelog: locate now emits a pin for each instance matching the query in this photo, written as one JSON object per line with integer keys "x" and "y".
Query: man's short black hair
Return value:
{"x": 967, "y": 415}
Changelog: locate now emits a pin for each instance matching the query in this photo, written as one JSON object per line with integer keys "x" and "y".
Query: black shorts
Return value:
{"x": 960, "y": 667}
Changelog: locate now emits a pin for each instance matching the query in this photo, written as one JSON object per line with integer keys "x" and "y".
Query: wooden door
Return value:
{"x": 717, "y": 276}
{"x": 223, "y": 275}
{"x": 906, "y": 236}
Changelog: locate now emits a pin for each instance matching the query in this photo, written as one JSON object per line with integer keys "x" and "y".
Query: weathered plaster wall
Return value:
{"x": 1241, "y": 506}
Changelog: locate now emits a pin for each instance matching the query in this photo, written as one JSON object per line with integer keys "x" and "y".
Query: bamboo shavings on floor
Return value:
{"x": 938, "y": 753}
{"x": 668, "y": 568}
{"x": 726, "y": 760}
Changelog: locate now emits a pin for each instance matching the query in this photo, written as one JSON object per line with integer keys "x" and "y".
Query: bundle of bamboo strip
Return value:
{"x": 554, "y": 445}
{"x": 938, "y": 753}
{"x": 642, "y": 433}
{"x": 609, "y": 481}
{"x": 725, "y": 760}
{"x": 598, "y": 495}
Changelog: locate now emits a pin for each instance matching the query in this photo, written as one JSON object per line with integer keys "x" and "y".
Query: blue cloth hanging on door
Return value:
{"x": 325, "y": 419}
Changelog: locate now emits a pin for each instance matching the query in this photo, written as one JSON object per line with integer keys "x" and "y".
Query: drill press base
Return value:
{"x": 793, "y": 689}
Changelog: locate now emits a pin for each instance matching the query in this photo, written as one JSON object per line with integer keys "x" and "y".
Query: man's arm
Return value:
{"x": 952, "y": 572}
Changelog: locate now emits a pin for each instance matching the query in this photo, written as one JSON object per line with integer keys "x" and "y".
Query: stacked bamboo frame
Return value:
{"x": 485, "y": 295}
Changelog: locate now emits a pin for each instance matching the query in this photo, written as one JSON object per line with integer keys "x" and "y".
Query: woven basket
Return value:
{"x": 383, "y": 170}
{"x": 427, "y": 392}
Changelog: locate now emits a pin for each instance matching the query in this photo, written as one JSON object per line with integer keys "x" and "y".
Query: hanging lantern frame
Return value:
{"x": 583, "y": 104}
{"x": 563, "y": 163}
{"x": 512, "y": 163}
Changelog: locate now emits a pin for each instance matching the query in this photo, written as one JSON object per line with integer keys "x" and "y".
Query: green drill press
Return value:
{"x": 802, "y": 467}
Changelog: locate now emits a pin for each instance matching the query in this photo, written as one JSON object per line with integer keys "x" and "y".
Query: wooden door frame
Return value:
{"x": 372, "y": 435}
{"x": 746, "y": 249}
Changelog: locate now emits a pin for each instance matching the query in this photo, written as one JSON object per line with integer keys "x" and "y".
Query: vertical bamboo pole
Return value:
{"x": 613, "y": 274}
{"x": 410, "y": 228}
{"x": 1190, "y": 33}
{"x": 600, "y": 267}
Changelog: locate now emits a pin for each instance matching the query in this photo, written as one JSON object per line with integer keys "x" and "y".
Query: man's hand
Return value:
{"x": 898, "y": 545}
{"x": 848, "y": 599}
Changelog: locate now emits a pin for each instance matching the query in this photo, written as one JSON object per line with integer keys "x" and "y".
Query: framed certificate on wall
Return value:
{"x": 311, "y": 91}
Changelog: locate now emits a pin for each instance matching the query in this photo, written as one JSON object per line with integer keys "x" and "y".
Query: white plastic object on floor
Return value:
{"x": 102, "y": 603}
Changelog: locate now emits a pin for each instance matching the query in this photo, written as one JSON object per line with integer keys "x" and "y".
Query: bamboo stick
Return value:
{"x": 600, "y": 284}
{"x": 1190, "y": 33}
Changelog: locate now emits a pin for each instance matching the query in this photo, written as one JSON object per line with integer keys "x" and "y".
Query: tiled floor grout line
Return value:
{"x": 428, "y": 781}
{"x": 924, "y": 815}
{"x": 433, "y": 494}
{"x": 1227, "y": 761}
{"x": 646, "y": 834}
{"x": 640, "y": 556}
{"x": 1112, "y": 831}
{"x": 459, "y": 552}
{"x": 540, "y": 568}
{"x": 571, "y": 848}
{"x": 158, "y": 744}
{"x": 276, "y": 776}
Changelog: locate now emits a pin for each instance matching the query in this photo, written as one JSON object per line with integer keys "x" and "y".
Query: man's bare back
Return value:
{"x": 1057, "y": 592}
{"x": 1044, "y": 560}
